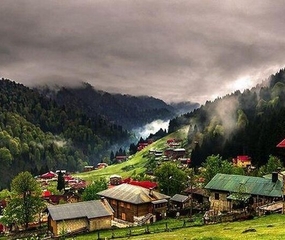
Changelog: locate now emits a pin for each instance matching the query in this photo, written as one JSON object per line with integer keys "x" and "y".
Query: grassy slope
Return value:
{"x": 136, "y": 163}
{"x": 270, "y": 227}
{"x": 265, "y": 227}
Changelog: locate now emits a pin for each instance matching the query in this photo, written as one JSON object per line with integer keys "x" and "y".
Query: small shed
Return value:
{"x": 179, "y": 201}
{"x": 79, "y": 217}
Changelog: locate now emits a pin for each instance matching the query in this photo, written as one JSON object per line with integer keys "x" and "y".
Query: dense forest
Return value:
{"x": 37, "y": 134}
{"x": 128, "y": 111}
{"x": 251, "y": 123}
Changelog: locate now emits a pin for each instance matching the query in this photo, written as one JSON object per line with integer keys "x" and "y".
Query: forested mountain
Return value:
{"x": 37, "y": 134}
{"x": 251, "y": 123}
{"x": 128, "y": 111}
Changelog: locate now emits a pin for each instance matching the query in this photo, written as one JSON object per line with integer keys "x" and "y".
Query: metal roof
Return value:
{"x": 88, "y": 209}
{"x": 159, "y": 201}
{"x": 247, "y": 184}
{"x": 132, "y": 194}
{"x": 179, "y": 198}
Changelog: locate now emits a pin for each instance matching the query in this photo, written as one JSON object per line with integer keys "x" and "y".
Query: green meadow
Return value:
{"x": 264, "y": 227}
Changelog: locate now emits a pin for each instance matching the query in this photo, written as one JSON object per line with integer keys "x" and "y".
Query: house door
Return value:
{"x": 124, "y": 216}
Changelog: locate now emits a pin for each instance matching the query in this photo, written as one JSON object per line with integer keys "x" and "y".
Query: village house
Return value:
{"x": 178, "y": 153}
{"x": 134, "y": 203}
{"x": 200, "y": 197}
{"x": 115, "y": 180}
{"x": 179, "y": 202}
{"x": 142, "y": 145}
{"x": 121, "y": 158}
{"x": 79, "y": 217}
{"x": 102, "y": 165}
{"x": 88, "y": 168}
{"x": 243, "y": 161}
{"x": 230, "y": 192}
{"x": 172, "y": 142}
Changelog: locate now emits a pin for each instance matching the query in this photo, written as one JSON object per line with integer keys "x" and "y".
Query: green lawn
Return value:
{"x": 265, "y": 227}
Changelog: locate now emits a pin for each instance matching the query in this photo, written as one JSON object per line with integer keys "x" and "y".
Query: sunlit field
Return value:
{"x": 265, "y": 227}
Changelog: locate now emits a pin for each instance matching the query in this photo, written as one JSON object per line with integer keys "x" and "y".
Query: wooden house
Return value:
{"x": 230, "y": 192}
{"x": 88, "y": 168}
{"x": 133, "y": 203}
{"x": 79, "y": 217}
{"x": 121, "y": 158}
{"x": 179, "y": 201}
{"x": 142, "y": 145}
{"x": 243, "y": 161}
{"x": 115, "y": 179}
{"x": 178, "y": 153}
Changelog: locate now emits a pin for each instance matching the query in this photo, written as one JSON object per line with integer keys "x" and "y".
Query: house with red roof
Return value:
{"x": 281, "y": 144}
{"x": 49, "y": 175}
{"x": 243, "y": 161}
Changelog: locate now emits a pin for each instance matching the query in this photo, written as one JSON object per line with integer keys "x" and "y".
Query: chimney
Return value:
{"x": 274, "y": 177}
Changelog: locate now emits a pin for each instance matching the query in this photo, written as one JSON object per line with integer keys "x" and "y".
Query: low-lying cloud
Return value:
{"x": 173, "y": 50}
{"x": 151, "y": 128}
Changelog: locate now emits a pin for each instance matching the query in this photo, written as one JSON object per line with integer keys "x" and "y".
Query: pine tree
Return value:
{"x": 60, "y": 181}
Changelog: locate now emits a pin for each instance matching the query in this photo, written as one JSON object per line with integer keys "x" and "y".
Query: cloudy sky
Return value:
{"x": 192, "y": 50}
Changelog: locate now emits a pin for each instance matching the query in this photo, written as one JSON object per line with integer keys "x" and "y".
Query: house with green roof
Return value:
{"x": 228, "y": 192}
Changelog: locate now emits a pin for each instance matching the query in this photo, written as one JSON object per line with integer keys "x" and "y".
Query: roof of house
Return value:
{"x": 132, "y": 194}
{"x": 251, "y": 185}
{"x": 243, "y": 158}
{"x": 88, "y": 209}
{"x": 281, "y": 144}
{"x": 179, "y": 198}
{"x": 145, "y": 184}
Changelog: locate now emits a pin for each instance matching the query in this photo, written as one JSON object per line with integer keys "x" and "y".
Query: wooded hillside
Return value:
{"x": 242, "y": 123}
{"x": 37, "y": 134}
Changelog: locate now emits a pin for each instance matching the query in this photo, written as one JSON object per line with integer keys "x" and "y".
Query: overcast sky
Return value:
{"x": 173, "y": 50}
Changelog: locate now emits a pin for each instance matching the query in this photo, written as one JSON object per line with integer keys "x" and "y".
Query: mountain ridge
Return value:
{"x": 126, "y": 110}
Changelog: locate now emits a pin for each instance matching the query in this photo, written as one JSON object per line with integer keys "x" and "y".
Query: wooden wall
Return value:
{"x": 100, "y": 223}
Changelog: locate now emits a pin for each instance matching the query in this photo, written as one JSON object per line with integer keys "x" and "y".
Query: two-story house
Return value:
{"x": 133, "y": 203}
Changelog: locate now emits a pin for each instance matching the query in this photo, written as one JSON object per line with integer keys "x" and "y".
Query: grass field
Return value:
{"x": 265, "y": 227}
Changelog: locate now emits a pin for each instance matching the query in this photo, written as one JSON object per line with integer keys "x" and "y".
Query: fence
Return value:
{"x": 145, "y": 229}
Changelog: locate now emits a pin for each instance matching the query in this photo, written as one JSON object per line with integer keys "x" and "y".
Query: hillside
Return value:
{"x": 136, "y": 163}
{"x": 37, "y": 134}
{"x": 242, "y": 123}
{"x": 125, "y": 110}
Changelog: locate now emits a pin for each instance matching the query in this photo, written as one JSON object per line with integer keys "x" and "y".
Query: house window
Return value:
{"x": 114, "y": 202}
{"x": 217, "y": 196}
{"x": 122, "y": 204}
{"x": 123, "y": 216}
{"x": 128, "y": 205}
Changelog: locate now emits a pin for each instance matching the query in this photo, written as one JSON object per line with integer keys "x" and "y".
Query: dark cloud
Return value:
{"x": 174, "y": 50}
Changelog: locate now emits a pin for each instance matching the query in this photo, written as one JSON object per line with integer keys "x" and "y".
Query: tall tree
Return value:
{"x": 60, "y": 181}
{"x": 25, "y": 203}
{"x": 215, "y": 164}
{"x": 90, "y": 193}
{"x": 171, "y": 180}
